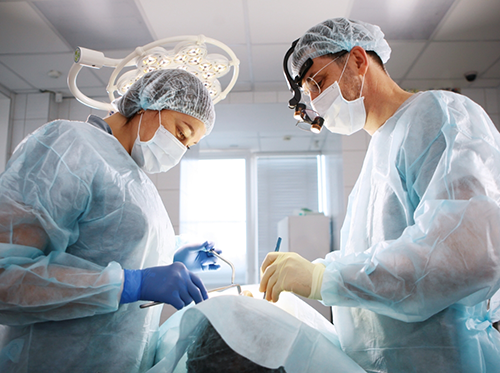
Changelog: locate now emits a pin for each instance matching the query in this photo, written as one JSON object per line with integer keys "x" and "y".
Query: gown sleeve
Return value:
{"x": 42, "y": 199}
{"x": 451, "y": 254}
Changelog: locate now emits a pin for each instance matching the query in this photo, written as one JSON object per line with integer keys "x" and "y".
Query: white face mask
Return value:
{"x": 159, "y": 154}
{"x": 341, "y": 116}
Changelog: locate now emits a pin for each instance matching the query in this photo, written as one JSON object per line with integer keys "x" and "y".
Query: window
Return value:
{"x": 213, "y": 207}
{"x": 285, "y": 184}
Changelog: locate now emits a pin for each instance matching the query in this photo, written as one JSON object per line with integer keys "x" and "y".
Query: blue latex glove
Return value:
{"x": 198, "y": 257}
{"x": 172, "y": 284}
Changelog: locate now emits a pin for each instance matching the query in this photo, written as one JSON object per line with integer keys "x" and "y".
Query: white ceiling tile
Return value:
{"x": 472, "y": 20}
{"x": 11, "y": 80}
{"x": 257, "y": 117}
{"x": 402, "y": 57}
{"x": 265, "y": 97}
{"x": 218, "y": 19}
{"x": 493, "y": 72}
{"x": 34, "y": 70}
{"x": 271, "y": 86}
{"x": 95, "y": 93}
{"x": 24, "y": 31}
{"x": 104, "y": 73}
{"x": 283, "y": 21}
{"x": 240, "y": 97}
{"x": 96, "y": 24}
{"x": 268, "y": 62}
{"x": 402, "y": 19}
{"x": 452, "y": 59}
{"x": 241, "y": 53}
{"x": 242, "y": 86}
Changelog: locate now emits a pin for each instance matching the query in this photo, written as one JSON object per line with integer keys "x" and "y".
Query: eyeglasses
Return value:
{"x": 308, "y": 120}
{"x": 232, "y": 285}
{"x": 310, "y": 86}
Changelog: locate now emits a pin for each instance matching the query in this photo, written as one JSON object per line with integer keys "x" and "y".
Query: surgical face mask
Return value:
{"x": 159, "y": 154}
{"x": 341, "y": 116}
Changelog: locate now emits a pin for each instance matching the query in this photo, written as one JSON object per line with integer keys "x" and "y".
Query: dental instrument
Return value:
{"x": 233, "y": 272}
{"x": 276, "y": 249}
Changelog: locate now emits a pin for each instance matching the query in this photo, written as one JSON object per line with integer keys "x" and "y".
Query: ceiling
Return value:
{"x": 434, "y": 42}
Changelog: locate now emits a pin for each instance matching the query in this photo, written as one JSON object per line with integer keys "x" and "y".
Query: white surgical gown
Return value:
{"x": 74, "y": 210}
{"x": 420, "y": 245}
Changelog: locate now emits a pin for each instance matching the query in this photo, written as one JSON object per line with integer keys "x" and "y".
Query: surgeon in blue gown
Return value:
{"x": 420, "y": 245}
{"x": 84, "y": 234}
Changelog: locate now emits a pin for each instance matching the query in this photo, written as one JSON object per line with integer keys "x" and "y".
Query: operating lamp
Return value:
{"x": 190, "y": 54}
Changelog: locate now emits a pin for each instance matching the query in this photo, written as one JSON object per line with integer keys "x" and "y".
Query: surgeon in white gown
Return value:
{"x": 84, "y": 234}
{"x": 420, "y": 244}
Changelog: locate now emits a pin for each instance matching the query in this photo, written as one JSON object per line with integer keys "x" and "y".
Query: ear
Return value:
{"x": 360, "y": 60}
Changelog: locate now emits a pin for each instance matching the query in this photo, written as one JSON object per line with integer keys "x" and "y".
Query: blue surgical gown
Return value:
{"x": 420, "y": 245}
{"x": 74, "y": 210}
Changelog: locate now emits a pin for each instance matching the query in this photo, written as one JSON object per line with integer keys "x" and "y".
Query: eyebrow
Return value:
{"x": 192, "y": 130}
{"x": 190, "y": 127}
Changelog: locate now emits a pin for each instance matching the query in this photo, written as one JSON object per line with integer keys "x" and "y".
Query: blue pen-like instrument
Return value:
{"x": 276, "y": 249}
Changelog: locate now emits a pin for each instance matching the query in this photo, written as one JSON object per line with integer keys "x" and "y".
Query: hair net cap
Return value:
{"x": 336, "y": 35}
{"x": 176, "y": 90}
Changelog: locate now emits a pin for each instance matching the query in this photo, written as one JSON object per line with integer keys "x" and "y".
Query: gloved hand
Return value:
{"x": 290, "y": 272}
{"x": 197, "y": 258}
{"x": 172, "y": 284}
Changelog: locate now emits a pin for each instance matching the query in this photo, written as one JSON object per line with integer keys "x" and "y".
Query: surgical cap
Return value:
{"x": 336, "y": 35}
{"x": 176, "y": 90}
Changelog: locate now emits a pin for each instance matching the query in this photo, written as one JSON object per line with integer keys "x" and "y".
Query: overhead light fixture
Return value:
{"x": 190, "y": 54}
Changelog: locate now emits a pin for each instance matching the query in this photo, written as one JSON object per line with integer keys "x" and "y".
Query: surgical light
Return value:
{"x": 190, "y": 54}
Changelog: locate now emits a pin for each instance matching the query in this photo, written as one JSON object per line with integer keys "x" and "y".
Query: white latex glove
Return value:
{"x": 290, "y": 272}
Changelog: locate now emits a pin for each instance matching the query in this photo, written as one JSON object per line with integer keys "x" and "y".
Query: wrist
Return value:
{"x": 131, "y": 285}
{"x": 317, "y": 281}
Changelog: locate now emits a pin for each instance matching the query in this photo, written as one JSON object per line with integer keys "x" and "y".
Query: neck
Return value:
{"x": 382, "y": 99}
{"x": 124, "y": 132}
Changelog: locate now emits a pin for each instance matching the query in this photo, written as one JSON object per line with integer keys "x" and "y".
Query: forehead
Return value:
{"x": 197, "y": 125}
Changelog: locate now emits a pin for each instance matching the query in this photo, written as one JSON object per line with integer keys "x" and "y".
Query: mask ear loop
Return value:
{"x": 345, "y": 65}
{"x": 362, "y": 81}
{"x": 362, "y": 84}
{"x": 139, "y": 128}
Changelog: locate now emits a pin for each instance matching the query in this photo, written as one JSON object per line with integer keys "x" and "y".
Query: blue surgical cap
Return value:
{"x": 176, "y": 90}
{"x": 336, "y": 35}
